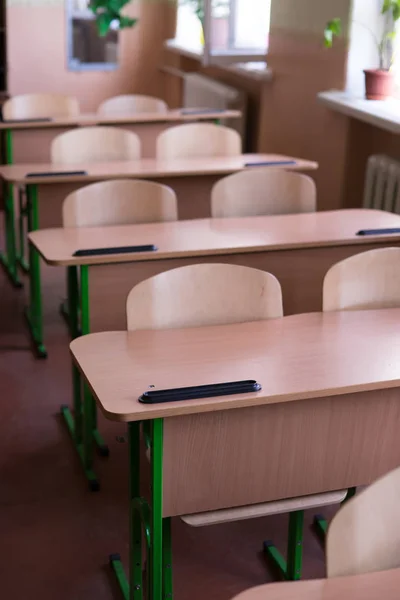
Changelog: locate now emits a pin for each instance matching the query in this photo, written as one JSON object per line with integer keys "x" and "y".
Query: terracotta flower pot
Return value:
{"x": 379, "y": 84}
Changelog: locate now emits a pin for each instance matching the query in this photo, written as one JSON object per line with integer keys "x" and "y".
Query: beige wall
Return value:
{"x": 292, "y": 120}
{"x": 307, "y": 16}
{"x": 37, "y": 53}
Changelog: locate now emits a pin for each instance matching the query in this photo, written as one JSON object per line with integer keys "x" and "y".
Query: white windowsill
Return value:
{"x": 257, "y": 70}
{"x": 253, "y": 70}
{"x": 175, "y": 46}
{"x": 383, "y": 114}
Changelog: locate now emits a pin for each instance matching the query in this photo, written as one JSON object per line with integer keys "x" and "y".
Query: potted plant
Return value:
{"x": 379, "y": 83}
{"x": 108, "y": 13}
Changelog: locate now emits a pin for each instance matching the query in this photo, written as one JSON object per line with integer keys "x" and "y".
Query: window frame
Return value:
{"x": 72, "y": 64}
{"x": 222, "y": 57}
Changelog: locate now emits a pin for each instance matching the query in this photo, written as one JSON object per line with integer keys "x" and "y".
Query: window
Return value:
{"x": 86, "y": 49}
{"x": 367, "y": 24}
{"x": 224, "y": 31}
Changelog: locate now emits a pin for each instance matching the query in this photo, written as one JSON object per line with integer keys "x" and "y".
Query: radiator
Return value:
{"x": 200, "y": 91}
{"x": 382, "y": 184}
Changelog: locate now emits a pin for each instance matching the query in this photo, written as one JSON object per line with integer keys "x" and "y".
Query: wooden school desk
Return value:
{"x": 370, "y": 586}
{"x": 192, "y": 180}
{"x": 29, "y": 141}
{"x": 26, "y": 141}
{"x": 297, "y": 249}
{"x": 326, "y": 418}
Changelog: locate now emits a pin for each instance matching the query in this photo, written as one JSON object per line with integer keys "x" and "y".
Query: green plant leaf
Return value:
{"x": 328, "y": 38}
{"x": 333, "y": 28}
{"x": 125, "y": 22}
{"x": 103, "y": 21}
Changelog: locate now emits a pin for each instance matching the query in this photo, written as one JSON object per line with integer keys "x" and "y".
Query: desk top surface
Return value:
{"x": 171, "y": 116}
{"x": 302, "y": 356}
{"x": 147, "y": 167}
{"x": 205, "y": 237}
{"x": 384, "y": 584}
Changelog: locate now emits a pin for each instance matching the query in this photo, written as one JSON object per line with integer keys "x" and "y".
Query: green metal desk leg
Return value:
{"x": 9, "y": 258}
{"x": 167, "y": 560}
{"x": 157, "y": 530}
{"x": 33, "y": 313}
{"x": 156, "y": 549}
{"x": 22, "y": 219}
{"x": 74, "y": 423}
{"x": 82, "y": 423}
{"x": 85, "y": 329}
{"x": 321, "y": 524}
{"x": 290, "y": 569}
{"x": 136, "y": 505}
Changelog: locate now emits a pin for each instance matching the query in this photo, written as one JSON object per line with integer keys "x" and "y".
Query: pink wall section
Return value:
{"x": 37, "y": 55}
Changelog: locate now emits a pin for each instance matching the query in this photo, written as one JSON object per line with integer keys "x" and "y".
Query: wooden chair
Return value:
{"x": 120, "y": 202}
{"x": 132, "y": 103}
{"x": 116, "y": 202}
{"x": 198, "y": 140}
{"x": 263, "y": 191}
{"x": 364, "y": 536}
{"x": 37, "y": 106}
{"x": 370, "y": 280}
{"x": 218, "y": 294}
{"x": 95, "y": 144}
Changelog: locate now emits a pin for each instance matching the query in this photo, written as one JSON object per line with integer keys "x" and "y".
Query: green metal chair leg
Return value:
{"x": 290, "y": 569}
{"x": 320, "y": 524}
{"x": 87, "y": 439}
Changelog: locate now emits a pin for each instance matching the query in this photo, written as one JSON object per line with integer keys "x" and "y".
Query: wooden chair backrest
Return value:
{"x": 364, "y": 536}
{"x": 37, "y": 106}
{"x": 95, "y": 144}
{"x": 370, "y": 280}
{"x": 193, "y": 140}
{"x": 204, "y": 294}
{"x": 263, "y": 191}
{"x": 132, "y": 103}
{"x": 120, "y": 202}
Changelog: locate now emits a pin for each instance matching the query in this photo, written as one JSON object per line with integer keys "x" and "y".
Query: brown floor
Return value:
{"x": 55, "y": 535}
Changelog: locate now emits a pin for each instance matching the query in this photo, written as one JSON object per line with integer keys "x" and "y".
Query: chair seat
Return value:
{"x": 262, "y": 510}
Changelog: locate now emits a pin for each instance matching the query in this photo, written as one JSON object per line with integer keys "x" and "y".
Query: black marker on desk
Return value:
{"x": 200, "y": 391}
{"x": 37, "y": 120}
{"x": 271, "y": 163}
{"x": 378, "y": 231}
{"x": 201, "y": 111}
{"x": 57, "y": 174}
{"x": 118, "y": 250}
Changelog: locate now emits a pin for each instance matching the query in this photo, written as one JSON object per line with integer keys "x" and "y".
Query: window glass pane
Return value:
{"x": 252, "y": 19}
{"x": 86, "y": 49}
{"x": 189, "y": 30}
{"x": 236, "y": 26}
{"x": 240, "y": 25}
